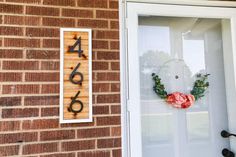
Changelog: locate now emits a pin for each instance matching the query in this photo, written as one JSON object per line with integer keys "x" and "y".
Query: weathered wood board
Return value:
{"x": 75, "y": 75}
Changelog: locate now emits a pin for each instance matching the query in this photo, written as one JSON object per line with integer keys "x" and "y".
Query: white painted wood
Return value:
{"x": 230, "y": 4}
{"x": 134, "y": 10}
{"x": 134, "y": 101}
{"x": 124, "y": 82}
{"x": 90, "y": 119}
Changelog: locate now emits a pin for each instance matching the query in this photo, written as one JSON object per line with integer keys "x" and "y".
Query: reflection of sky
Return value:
{"x": 154, "y": 38}
{"x": 193, "y": 53}
{"x": 157, "y": 38}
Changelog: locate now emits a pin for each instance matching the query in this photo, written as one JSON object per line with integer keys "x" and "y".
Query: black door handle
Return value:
{"x": 226, "y": 134}
{"x": 227, "y": 153}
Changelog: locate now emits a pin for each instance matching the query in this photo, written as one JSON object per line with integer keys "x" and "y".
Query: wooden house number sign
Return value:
{"x": 75, "y": 75}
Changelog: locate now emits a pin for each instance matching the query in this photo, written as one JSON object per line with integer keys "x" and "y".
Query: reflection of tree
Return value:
{"x": 167, "y": 68}
{"x": 150, "y": 62}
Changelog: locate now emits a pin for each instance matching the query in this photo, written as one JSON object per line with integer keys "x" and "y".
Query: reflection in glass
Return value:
{"x": 194, "y": 55}
{"x": 198, "y": 125}
{"x": 158, "y": 133}
{"x": 183, "y": 47}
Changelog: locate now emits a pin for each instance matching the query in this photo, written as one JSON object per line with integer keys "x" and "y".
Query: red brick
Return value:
{"x": 94, "y": 132}
{"x": 103, "y": 153}
{"x": 114, "y": 4}
{"x": 78, "y": 145}
{"x": 115, "y": 65}
{"x": 42, "y": 77}
{"x": 40, "y": 148}
{"x": 41, "y": 100}
{"x": 6, "y": 30}
{"x": 77, "y": 13}
{"x": 10, "y": 101}
{"x": 100, "y": 110}
{"x": 42, "y": 32}
{"x": 58, "y": 22}
{"x": 11, "y": 53}
{"x": 45, "y": 11}
{"x": 108, "y": 76}
{"x": 51, "y": 43}
{"x": 22, "y": 20}
{"x": 16, "y": 137}
{"x": 111, "y": 98}
{"x": 20, "y": 113}
{"x": 75, "y": 125}
{"x": 107, "y": 14}
{"x": 100, "y": 44}
{"x": 92, "y": 3}
{"x": 57, "y": 135}
{"x": 40, "y": 124}
{"x": 25, "y": 1}
{"x": 14, "y": 9}
{"x": 115, "y": 45}
{"x": 109, "y": 120}
{"x": 109, "y": 143}
{"x": 50, "y": 65}
{"x": 107, "y": 34}
{"x": 116, "y": 153}
{"x": 115, "y": 109}
{"x": 115, "y": 87}
{"x": 116, "y": 131}
{"x": 13, "y": 42}
{"x": 20, "y": 65}
{"x": 10, "y": 77}
{"x": 9, "y": 125}
{"x": 59, "y": 2}
{"x": 9, "y": 150}
{"x": 100, "y": 66}
{"x": 114, "y": 24}
{"x": 42, "y": 54}
{"x": 101, "y": 87}
{"x": 92, "y": 23}
{"x": 60, "y": 155}
{"x": 103, "y": 55}
{"x": 20, "y": 89}
{"x": 47, "y": 112}
{"x": 50, "y": 88}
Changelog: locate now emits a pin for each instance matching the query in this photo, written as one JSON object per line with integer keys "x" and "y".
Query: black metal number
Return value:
{"x": 72, "y": 48}
{"x": 73, "y": 102}
{"x": 74, "y": 73}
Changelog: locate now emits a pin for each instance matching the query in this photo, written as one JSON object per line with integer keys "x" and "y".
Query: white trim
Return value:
{"x": 176, "y": 11}
{"x": 214, "y": 3}
{"x": 90, "y": 119}
{"x": 123, "y": 58}
{"x": 123, "y": 82}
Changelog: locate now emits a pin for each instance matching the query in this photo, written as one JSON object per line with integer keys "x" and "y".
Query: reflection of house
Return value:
{"x": 189, "y": 45}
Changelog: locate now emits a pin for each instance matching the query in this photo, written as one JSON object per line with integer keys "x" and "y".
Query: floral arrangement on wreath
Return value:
{"x": 178, "y": 99}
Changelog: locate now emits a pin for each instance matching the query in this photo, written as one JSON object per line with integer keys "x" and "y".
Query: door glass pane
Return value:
{"x": 177, "y": 49}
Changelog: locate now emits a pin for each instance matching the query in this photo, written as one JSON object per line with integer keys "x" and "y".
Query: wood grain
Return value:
{"x": 70, "y": 62}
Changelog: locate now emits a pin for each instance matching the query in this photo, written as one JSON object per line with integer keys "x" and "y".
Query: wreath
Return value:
{"x": 178, "y": 99}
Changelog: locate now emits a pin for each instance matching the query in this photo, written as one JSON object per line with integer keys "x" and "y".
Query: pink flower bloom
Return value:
{"x": 189, "y": 102}
{"x": 180, "y": 100}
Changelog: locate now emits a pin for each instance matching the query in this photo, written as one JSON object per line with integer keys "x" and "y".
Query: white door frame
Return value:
{"x": 167, "y": 10}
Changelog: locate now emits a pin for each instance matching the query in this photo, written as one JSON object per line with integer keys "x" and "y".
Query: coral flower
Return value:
{"x": 180, "y": 100}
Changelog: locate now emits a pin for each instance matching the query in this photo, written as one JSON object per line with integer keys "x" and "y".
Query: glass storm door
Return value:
{"x": 177, "y": 43}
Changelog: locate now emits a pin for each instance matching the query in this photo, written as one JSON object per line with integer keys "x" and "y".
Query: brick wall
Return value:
{"x": 29, "y": 75}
